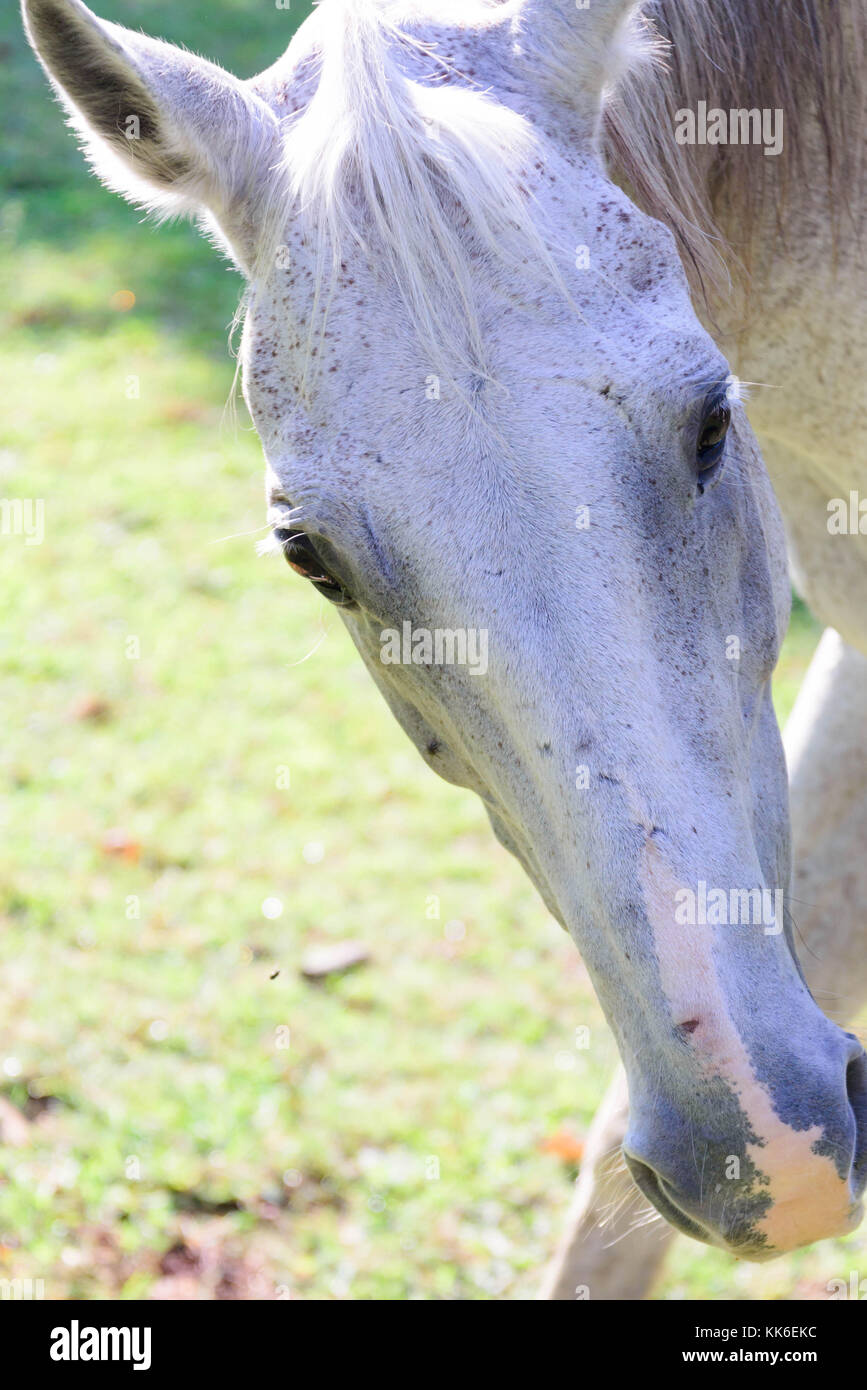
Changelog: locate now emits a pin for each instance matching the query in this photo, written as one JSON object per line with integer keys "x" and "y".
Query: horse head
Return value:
{"x": 500, "y": 442}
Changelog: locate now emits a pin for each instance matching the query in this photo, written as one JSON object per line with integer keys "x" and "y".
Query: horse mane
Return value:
{"x": 805, "y": 57}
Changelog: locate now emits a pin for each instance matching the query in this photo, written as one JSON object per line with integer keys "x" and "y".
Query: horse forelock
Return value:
{"x": 396, "y": 157}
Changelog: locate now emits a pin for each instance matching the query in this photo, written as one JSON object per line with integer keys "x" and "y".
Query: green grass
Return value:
{"x": 158, "y": 683}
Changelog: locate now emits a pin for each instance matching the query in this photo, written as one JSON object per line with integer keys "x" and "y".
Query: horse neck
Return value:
{"x": 791, "y": 318}
{"x": 734, "y": 54}
{"x": 788, "y": 225}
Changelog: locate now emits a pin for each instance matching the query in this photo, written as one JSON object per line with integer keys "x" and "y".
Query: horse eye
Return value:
{"x": 300, "y": 554}
{"x": 712, "y": 436}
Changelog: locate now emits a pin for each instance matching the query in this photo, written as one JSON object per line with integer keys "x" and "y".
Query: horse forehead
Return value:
{"x": 630, "y": 320}
{"x": 564, "y": 391}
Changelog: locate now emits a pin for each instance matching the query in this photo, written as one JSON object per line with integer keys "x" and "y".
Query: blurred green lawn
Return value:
{"x": 174, "y": 1144}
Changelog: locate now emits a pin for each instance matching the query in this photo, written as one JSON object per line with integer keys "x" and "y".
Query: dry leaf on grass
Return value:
{"x": 563, "y": 1145}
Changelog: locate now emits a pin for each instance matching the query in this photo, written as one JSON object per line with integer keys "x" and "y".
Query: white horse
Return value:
{"x": 500, "y": 439}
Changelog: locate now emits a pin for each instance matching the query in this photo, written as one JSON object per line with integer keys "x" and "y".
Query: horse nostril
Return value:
{"x": 856, "y": 1090}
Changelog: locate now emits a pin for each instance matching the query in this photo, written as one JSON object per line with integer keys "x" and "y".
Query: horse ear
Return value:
{"x": 163, "y": 127}
{"x": 577, "y": 48}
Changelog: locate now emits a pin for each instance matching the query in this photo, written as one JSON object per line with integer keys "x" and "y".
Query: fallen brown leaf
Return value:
{"x": 563, "y": 1145}
{"x": 93, "y": 708}
{"x": 338, "y": 956}
{"x": 122, "y": 845}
